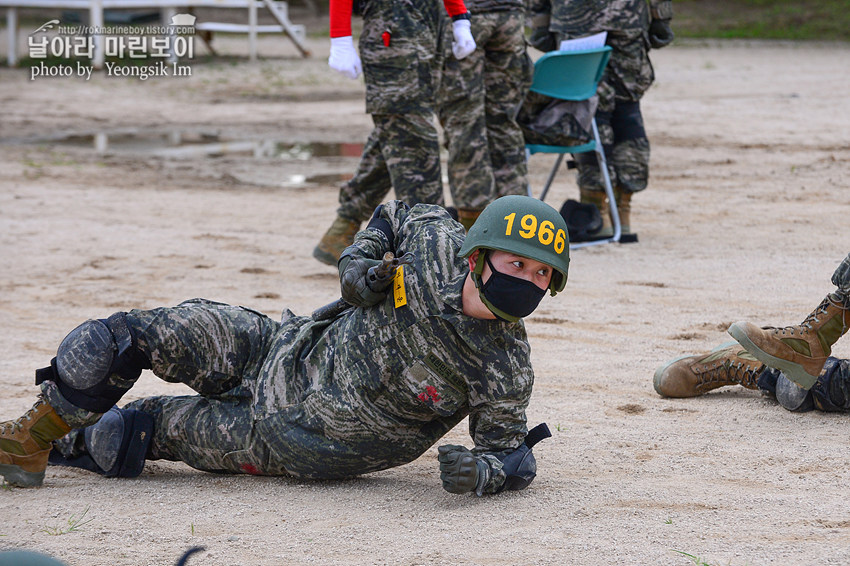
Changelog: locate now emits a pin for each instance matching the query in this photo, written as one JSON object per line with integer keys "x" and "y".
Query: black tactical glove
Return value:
{"x": 354, "y": 285}
{"x": 461, "y": 471}
{"x": 543, "y": 39}
{"x": 660, "y": 33}
{"x": 841, "y": 277}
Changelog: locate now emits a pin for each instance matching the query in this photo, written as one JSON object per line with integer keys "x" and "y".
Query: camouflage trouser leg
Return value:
{"x": 508, "y": 74}
{"x": 626, "y": 150}
{"x": 411, "y": 150}
{"x": 218, "y": 351}
{"x": 628, "y": 75}
{"x": 478, "y": 100}
{"x": 359, "y": 197}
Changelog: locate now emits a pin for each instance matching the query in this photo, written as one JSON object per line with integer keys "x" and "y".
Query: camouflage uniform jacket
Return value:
{"x": 486, "y": 6}
{"x": 627, "y": 23}
{"x": 376, "y": 387}
{"x": 624, "y": 20}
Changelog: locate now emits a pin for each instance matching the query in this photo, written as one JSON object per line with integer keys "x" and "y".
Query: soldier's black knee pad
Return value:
{"x": 115, "y": 446}
{"x": 88, "y": 357}
{"x": 792, "y": 396}
{"x": 627, "y": 122}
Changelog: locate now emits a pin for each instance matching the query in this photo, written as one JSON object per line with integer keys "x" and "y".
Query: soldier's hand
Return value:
{"x": 463, "y": 44}
{"x": 353, "y": 284}
{"x": 660, "y": 33}
{"x": 841, "y": 277}
{"x": 344, "y": 58}
{"x": 460, "y": 470}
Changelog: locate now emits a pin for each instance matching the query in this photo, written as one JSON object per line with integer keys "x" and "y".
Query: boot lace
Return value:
{"x": 19, "y": 422}
{"x": 729, "y": 372}
{"x": 806, "y": 325}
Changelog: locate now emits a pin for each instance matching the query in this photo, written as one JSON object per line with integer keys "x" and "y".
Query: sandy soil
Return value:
{"x": 745, "y": 218}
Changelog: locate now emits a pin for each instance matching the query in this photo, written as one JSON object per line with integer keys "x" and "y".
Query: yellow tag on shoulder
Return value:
{"x": 399, "y": 293}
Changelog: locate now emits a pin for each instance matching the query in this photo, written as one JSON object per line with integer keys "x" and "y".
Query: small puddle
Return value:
{"x": 323, "y": 179}
{"x": 188, "y": 144}
{"x": 201, "y": 145}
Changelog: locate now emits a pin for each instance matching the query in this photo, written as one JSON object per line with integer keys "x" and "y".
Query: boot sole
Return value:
{"x": 656, "y": 378}
{"x": 19, "y": 478}
{"x": 791, "y": 370}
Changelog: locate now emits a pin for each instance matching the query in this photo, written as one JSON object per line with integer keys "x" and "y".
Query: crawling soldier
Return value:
{"x": 370, "y": 389}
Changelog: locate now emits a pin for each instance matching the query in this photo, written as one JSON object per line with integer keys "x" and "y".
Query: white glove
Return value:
{"x": 344, "y": 57}
{"x": 463, "y": 43}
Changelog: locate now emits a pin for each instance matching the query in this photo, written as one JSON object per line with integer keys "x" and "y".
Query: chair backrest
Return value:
{"x": 570, "y": 75}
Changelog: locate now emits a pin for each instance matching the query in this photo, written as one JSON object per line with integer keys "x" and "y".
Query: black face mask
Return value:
{"x": 510, "y": 295}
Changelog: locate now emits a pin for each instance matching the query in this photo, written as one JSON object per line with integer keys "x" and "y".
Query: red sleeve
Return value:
{"x": 340, "y": 16}
{"x": 455, "y": 7}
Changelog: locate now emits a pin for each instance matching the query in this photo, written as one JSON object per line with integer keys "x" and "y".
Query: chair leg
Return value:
{"x": 609, "y": 191}
{"x": 552, "y": 174}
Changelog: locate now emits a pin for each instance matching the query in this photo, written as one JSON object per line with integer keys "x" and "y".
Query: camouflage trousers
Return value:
{"x": 618, "y": 116}
{"x": 400, "y": 47}
{"x": 215, "y": 349}
{"x": 403, "y": 153}
{"x": 477, "y": 103}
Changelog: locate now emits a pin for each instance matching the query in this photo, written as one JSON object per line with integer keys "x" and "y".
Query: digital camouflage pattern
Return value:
{"x": 488, "y": 6}
{"x": 627, "y": 77}
{"x": 841, "y": 277}
{"x": 402, "y": 152}
{"x": 369, "y": 390}
{"x": 477, "y": 102}
{"x": 400, "y": 77}
{"x": 361, "y": 195}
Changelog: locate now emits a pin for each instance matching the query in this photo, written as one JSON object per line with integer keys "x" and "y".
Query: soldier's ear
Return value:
{"x": 472, "y": 258}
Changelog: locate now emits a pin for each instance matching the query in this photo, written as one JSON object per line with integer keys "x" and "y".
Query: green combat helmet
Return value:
{"x": 524, "y": 226}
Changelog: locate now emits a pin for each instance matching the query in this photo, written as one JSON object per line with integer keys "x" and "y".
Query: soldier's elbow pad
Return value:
{"x": 520, "y": 467}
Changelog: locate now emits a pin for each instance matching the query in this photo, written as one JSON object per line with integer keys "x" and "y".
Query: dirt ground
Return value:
{"x": 745, "y": 219}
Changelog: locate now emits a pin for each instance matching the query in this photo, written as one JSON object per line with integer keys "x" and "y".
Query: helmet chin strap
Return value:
{"x": 479, "y": 284}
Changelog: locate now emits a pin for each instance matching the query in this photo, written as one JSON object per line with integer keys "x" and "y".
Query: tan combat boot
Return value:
{"x": 25, "y": 444}
{"x": 690, "y": 376}
{"x": 467, "y": 217}
{"x": 600, "y": 199}
{"x": 798, "y": 351}
{"x": 338, "y": 237}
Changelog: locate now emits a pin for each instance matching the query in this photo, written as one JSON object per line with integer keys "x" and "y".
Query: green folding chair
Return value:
{"x": 574, "y": 75}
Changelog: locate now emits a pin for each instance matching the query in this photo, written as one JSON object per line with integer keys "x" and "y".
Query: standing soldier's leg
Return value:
{"x": 411, "y": 150}
{"x": 629, "y": 157}
{"x": 398, "y": 48}
{"x": 358, "y": 198}
{"x": 590, "y": 181}
{"x": 508, "y": 74}
{"x": 461, "y": 109}
{"x": 628, "y": 75}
